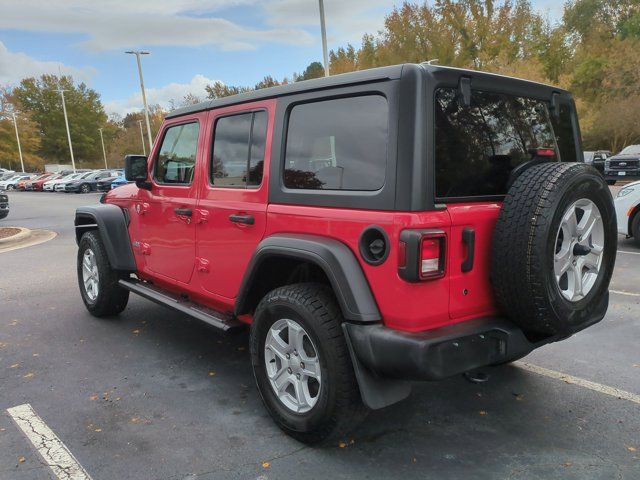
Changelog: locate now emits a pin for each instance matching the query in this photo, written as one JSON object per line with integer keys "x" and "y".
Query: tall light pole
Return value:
{"x": 66, "y": 122}
{"x": 323, "y": 31}
{"x": 144, "y": 150}
{"x": 104, "y": 153}
{"x": 137, "y": 53}
{"x": 15, "y": 124}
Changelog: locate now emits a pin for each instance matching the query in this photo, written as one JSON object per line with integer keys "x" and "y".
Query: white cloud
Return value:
{"x": 347, "y": 21}
{"x": 120, "y": 24}
{"x": 162, "y": 96}
{"x": 15, "y": 66}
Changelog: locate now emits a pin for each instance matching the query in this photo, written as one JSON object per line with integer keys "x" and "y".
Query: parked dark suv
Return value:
{"x": 404, "y": 223}
{"x": 597, "y": 159}
{"x": 4, "y": 205}
{"x": 623, "y": 166}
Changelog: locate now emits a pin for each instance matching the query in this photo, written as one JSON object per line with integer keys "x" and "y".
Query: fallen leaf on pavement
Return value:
{"x": 631, "y": 449}
{"x": 29, "y": 375}
{"x": 93, "y": 398}
{"x": 15, "y": 365}
{"x": 482, "y": 412}
{"x": 22, "y": 459}
{"x": 265, "y": 464}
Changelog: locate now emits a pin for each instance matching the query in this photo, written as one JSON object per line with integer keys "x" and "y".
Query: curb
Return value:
{"x": 23, "y": 234}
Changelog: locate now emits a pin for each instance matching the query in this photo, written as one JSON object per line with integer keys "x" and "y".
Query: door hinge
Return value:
{"x": 202, "y": 265}
{"x": 202, "y": 216}
{"x": 145, "y": 249}
{"x": 142, "y": 208}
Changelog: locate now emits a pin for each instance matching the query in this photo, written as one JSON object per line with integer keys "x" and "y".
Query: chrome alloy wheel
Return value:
{"x": 293, "y": 365}
{"x": 90, "y": 274}
{"x": 579, "y": 249}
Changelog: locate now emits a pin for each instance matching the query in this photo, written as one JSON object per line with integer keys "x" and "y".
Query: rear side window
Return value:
{"x": 338, "y": 144}
{"x": 177, "y": 158}
{"x": 478, "y": 146}
{"x": 238, "y": 150}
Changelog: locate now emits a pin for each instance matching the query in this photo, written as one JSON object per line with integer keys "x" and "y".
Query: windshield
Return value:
{"x": 631, "y": 150}
{"x": 478, "y": 146}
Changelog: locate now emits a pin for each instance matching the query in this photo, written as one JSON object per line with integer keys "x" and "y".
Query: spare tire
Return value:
{"x": 554, "y": 248}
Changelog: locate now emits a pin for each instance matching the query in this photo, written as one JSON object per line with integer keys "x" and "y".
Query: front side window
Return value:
{"x": 338, "y": 144}
{"x": 478, "y": 146}
{"x": 238, "y": 150}
{"x": 177, "y": 158}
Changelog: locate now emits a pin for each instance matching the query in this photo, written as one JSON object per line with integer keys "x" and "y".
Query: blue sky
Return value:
{"x": 193, "y": 42}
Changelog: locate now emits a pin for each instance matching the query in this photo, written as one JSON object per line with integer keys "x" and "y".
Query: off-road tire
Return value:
{"x": 635, "y": 228}
{"x": 524, "y": 243}
{"x": 339, "y": 407}
{"x": 112, "y": 298}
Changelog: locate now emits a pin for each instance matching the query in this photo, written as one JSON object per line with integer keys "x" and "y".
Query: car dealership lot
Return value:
{"x": 154, "y": 395}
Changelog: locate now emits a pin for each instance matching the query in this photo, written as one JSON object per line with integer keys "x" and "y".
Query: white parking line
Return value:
{"x": 49, "y": 446}
{"x": 620, "y": 292}
{"x": 628, "y": 253}
{"x": 581, "y": 382}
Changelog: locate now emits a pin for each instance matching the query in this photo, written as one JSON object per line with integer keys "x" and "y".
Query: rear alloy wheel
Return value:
{"x": 85, "y": 188}
{"x": 293, "y": 365}
{"x": 302, "y": 365}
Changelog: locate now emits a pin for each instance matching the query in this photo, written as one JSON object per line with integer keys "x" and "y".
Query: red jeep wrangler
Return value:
{"x": 405, "y": 223}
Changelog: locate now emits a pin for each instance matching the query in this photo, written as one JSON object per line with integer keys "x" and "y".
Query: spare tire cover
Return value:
{"x": 554, "y": 249}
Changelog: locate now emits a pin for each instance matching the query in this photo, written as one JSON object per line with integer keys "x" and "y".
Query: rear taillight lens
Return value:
{"x": 432, "y": 256}
{"x": 421, "y": 254}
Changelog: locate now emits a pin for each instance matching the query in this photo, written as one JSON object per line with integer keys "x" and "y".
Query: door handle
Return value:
{"x": 184, "y": 212}
{"x": 238, "y": 218}
{"x": 469, "y": 239}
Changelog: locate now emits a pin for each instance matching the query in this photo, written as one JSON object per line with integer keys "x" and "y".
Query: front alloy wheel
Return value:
{"x": 90, "y": 278}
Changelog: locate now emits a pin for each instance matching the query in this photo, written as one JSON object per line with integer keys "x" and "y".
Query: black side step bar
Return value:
{"x": 211, "y": 317}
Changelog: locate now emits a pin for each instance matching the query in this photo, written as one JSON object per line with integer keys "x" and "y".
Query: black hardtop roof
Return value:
{"x": 379, "y": 74}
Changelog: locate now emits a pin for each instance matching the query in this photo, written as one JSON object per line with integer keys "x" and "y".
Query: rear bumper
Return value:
{"x": 442, "y": 352}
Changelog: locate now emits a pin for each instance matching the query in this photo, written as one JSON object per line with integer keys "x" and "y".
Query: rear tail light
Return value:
{"x": 430, "y": 257}
{"x": 422, "y": 255}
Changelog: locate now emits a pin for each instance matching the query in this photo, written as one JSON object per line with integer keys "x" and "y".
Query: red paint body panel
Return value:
{"x": 471, "y": 293}
{"x": 206, "y": 258}
{"x": 229, "y": 246}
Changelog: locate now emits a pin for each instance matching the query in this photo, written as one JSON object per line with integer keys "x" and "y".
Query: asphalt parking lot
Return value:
{"x": 152, "y": 395}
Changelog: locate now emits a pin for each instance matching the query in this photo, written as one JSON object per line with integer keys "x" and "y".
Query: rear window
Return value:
{"x": 338, "y": 144}
{"x": 478, "y": 146}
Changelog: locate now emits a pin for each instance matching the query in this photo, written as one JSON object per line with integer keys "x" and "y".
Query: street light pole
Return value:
{"x": 104, "y": 153}
{"x": 323, "y": 31}
{"x": 144, "y": 150}
{"x": 15, "y": 124}
{"x": 137, "y": 53}
{"x": 66, "y": 122}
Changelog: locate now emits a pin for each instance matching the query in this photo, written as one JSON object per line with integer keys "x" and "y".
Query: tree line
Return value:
{"x": 593, "y": 51}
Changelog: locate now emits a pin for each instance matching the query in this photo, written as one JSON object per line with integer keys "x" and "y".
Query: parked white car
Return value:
{"x": 51, "y": 184}
{"x": 627, "y": 204}
{"x": 12, "y": 182}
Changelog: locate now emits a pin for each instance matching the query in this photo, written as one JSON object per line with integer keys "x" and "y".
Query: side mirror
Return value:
{"x": 135, "y": 170}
